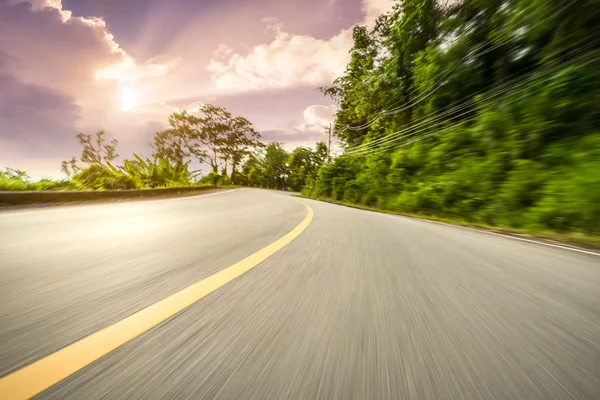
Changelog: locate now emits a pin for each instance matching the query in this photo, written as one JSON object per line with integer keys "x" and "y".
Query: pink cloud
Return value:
{"x": 317, "y": 116}
{"x": 52, "y": 48}
{"x": 373, "y": 9}
{"x": 290, "y": 60}
{"x": 79, "y": 74}
{"x": 287, "y": 61}
{"x": 61, "y": 74}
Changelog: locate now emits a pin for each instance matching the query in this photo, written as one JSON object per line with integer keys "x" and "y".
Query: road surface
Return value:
{"x": 360, "y": 305}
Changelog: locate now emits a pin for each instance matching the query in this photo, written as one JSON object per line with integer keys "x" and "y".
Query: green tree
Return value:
{"x": 481, "y": 110}
{"x": 214, "y": 137}
{"x": 240, "y": 140}
{"x": 175, "y": 143}
{"x": 95, "y": 151}
{"x": 275, "y": 166}
{"x": 303, "y": 164}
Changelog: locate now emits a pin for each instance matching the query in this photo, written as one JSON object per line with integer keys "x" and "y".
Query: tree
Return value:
{"x": 303, "y": 164}
{"x": 320, "y": 154}
{"x": 256, "y": 176}
{"x": 174, "y": 144}
{"x": 482, "y": 110}
{"x": 95, "y": 151}
{"x": 70, "y": 167}
{"x": 275, "y": 166}
{"x": 215, "y": 137}
{"x": 211, "y": 133}
{"x": 240, "y": 139}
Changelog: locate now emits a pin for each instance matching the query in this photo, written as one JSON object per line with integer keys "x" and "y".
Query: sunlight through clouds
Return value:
{"x": 88, "y": 54}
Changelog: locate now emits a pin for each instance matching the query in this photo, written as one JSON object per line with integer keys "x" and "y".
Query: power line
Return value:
{"x": 465, "y": 104}
{"x": 417, "y": 100}
{"x": 389, "y": 145}
{"x": 425, "y": 95}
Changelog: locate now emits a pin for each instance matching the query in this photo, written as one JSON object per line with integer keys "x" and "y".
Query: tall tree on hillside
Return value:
{"x": 320, "y": 154}
{"x": 226, "y": 139}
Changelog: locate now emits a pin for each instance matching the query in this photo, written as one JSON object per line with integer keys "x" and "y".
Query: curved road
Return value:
{"x": 359, "y": 306}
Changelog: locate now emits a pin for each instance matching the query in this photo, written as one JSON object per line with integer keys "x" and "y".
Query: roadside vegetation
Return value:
{"x": 229, "y": 145}
{"x": 481, "y": 111}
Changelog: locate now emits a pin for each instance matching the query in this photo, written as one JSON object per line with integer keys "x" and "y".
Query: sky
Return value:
{"x": 124, "y": 65}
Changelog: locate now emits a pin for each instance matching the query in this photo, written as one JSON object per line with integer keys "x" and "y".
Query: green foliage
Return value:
{"x": 159, "y": 172}
{"x": 523, "y": 149}
{"x": 94, "y": 151}
{"x": 215, "y": 179}
{"x": 13, "y": 179}
{"x": 275, "y": 166}
{"x": 216, "y": 137}
{"x": 16, "y": 180}
{"x": 303, "y": 164}
{"x": 100, "y": 177}
{"x": 256, "y": 177}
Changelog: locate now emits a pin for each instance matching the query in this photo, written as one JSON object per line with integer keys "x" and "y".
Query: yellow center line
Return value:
{"x": 42, "y": 374}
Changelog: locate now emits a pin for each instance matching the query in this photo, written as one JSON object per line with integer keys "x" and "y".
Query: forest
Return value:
{"x": 481, "y": 111}
{"x": 484, "y": 111}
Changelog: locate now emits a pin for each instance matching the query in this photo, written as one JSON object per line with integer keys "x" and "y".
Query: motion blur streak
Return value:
{"x": 361, "y": 305}
{"x": 44, "y": 373}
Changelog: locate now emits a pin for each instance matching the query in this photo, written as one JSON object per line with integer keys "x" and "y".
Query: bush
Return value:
{"x": 215, "y": 179}
{"x": 100, "y": 177}
{"x": 15, "y": 180}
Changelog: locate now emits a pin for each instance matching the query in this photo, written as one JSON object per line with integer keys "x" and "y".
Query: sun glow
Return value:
{"x": 128, "y": 98}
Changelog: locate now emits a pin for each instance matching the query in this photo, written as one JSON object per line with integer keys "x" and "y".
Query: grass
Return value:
{"x": 569, "y": 239}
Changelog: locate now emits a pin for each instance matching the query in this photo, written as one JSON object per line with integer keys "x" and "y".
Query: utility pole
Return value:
{"x": 328, "y": 143}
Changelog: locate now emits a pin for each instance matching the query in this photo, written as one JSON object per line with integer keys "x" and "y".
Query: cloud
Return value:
{"x": 270, "y": 20}
{"x": 69, "y": 73}
{"x": 289, "y": 60}
{"x": 53, "y": 49}
{"x": 128, "y": 71}
{"x": 317, "y": 116}
{"x": 61, "y": 74}
{"x": 373, "y": 9}
{"x": 308, "y": 132}
{"x": 73, "y": 54}
{"x": 293, "y": 138}
{"x": 36, "y": 122}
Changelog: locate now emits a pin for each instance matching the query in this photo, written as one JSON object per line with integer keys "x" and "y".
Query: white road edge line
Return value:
{"x": 504, "y": 236}
{"x": 15, "y": 213}
{"x": 193, "y": 196}
{"x": 593, "y": 253}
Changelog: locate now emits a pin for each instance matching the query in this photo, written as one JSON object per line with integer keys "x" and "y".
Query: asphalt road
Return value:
{"x": 360, "y": 306}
